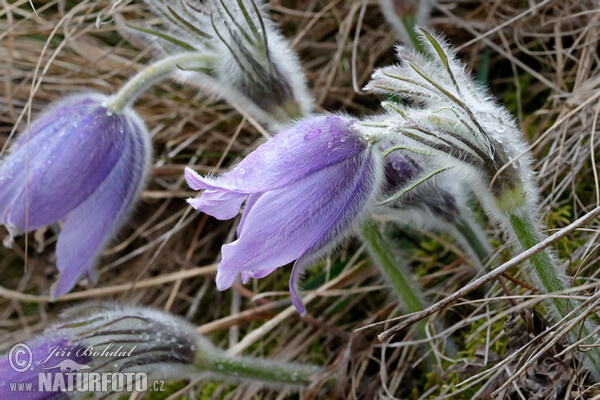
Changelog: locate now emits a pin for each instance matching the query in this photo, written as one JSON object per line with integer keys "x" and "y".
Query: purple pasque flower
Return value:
{"x": 305, "y": 188}
{"x": 84, "y": 166}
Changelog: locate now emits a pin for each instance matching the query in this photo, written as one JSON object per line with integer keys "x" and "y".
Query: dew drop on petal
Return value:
{"x": 312, "y": 133}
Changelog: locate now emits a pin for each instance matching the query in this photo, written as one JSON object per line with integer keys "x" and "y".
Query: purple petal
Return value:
{"x": 299, "y": 267}
{"x": 67, "y": 162}
{"x": 41, "y": 133}
{"x": 222, "y": 205}
{"x": 252, "y": 199}
{"x": 92, "y": 224}
{"x": 311, "y": 145}
{"x": 304, "y": 218}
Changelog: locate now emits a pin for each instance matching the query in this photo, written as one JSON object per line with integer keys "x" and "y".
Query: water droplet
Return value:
{"x": 109, "y": 112}
{"x": 242, "y": 171}
{"x": 500, "y": 128}
{"x": 240, "y": 181}
{"x": 312, "y": 133}
{"x": 344, "y": 138}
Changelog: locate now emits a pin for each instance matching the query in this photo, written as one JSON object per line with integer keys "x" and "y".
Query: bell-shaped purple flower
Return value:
{"x": 305, "y": 188}
{"x": 84, "y": 166}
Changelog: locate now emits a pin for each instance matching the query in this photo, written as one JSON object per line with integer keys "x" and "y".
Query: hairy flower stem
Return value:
{"x": 405, "y": 287}
{"x": 155, "y": 73}
{"x": 527, "y": 233}
{"x": 256, "y": 369}
{"x": 473, "y": 236}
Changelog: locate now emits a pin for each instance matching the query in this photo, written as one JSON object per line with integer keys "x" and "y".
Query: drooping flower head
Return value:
{"x": 304, "y": 189}
{"x": 84, "y": 166}
{"x": 98, "y": 339}
{"x": 248, "y": 62}
{"x": 127, "y": 347}
{"x": 447, "y": 113}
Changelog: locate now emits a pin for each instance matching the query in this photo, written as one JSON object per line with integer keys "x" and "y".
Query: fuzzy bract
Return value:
{"x": 252, "y": 65}
{"x": 304, "y": 190}
{"x": 445, "y": 112}
{"x": 81, "y": 165}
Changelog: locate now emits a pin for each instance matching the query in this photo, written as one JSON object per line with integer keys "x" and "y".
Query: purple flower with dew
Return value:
{"x": 305, "y": 188}
{"x": 87, "y": 165}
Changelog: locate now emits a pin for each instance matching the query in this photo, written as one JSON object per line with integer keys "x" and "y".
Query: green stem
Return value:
{"x": 258, "y": 369}
{"x": 409, "y": 22}
{"x": 406, "y": 288}
{"x": 474, "y": 237}
{"x": 528, "y": 235}
{"x": 155, "y": 73}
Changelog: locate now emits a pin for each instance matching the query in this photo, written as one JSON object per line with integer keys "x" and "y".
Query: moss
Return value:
{"x": 168, "y": 389}
{"x": 208, "y": 390}
{"x": 472, "y": 343}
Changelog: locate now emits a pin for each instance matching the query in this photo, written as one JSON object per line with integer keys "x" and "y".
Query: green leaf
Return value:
{"x": 392, "y": 149}
{"x": 240, "y": 28}
{"x": 187, "y": 24}
{"x": 437, "y": 48}
{"x": 441, "y": 55}
{"x": 163, "y": 36}
{"x": 412, "y": 186}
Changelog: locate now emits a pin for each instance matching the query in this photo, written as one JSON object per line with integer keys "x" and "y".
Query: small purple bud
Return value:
{"x": 439, "y": 199}
{"x": 305, "y": 188}
{"x": 85, "y": 167}
{"x": 21, "y": 367}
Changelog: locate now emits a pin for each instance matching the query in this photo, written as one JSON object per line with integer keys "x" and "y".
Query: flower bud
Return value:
{"x": 252, "y": 65}
{"x": 446, "y": 113}
{"x": 94, "y": 344}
